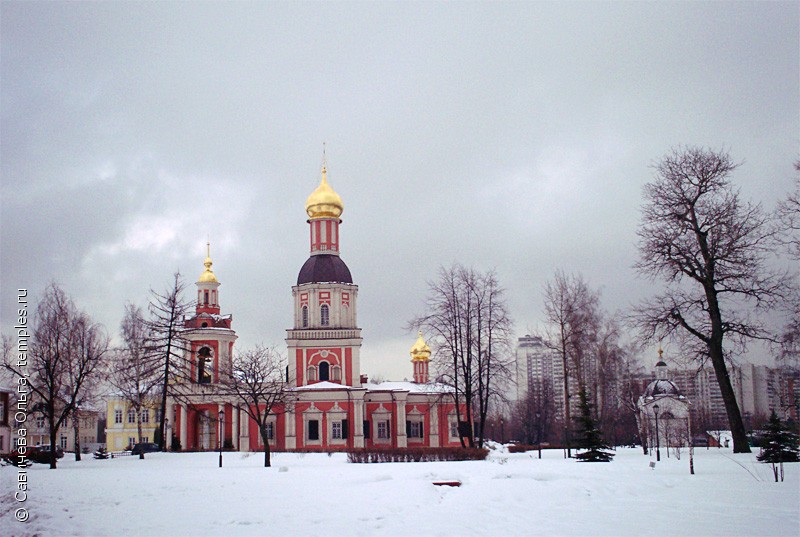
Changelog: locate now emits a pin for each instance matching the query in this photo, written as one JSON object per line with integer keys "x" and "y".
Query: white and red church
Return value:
{"x": 334, "y": 405}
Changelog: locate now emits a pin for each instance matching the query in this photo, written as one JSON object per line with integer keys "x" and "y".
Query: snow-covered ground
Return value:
{"x": 510, "y": 494}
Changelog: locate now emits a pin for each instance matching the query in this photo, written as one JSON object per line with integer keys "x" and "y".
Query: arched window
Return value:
{"x": 324, "y": 315}
{"x": 324, "y": 371}
{"x": 205, "y": 298}
{"x": 311, "y": 373}
{"x": 204, "y": 366}
{"x": 304, "y": 315}
{"x": 336, "y": 373}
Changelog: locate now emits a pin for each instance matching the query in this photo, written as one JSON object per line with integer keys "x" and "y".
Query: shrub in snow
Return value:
{"x": 779, "y": 445}
{"x": 416, "y": 454}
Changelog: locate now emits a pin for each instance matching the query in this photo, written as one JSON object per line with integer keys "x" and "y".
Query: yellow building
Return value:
{"x": 121, "y": 424}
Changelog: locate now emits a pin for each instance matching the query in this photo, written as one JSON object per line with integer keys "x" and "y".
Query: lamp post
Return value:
{"x": 219, "y": 436}
{"x": 539, "y": 433}
{"x": 658, "y": 444}
{"x": 166, "y": 434}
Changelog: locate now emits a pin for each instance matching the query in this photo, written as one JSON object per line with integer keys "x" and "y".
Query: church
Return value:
{"x": 334, "y": 406}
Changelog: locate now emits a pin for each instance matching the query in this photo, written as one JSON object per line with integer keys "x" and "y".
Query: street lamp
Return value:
{"x": 219, "y": 436}
{"x": 166, "y": 434}
{"x": 658, "y": 444}
{"x": 539, "y": 433}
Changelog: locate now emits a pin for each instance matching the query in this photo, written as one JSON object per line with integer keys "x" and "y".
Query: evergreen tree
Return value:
{"x": 780, "y": 445}
{"x": 588, "y": 435}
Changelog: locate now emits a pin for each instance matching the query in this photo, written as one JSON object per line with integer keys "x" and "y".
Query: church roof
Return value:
{"x": 324, "y": 268}
{"x": 411, "y": 387}
{"x": 662, "y": 387}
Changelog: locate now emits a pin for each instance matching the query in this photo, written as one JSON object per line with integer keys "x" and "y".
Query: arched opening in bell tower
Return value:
{"x": 204, "y": 366}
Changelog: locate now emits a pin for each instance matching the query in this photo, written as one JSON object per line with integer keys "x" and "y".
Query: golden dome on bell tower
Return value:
{"x": 420, "y": 350}
{"x": 208, "y": 274}
{"x": 324, "y": 202}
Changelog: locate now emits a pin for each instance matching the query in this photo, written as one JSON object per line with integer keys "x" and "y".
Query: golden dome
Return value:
{"x": 324, "y": 202}
{"x": 208, "y": 274}
{"x": 420, "y": 351}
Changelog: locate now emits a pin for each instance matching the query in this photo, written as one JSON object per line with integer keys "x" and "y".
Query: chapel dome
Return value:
{"x": 324, "y": 202}
{"x": 324, "y": 268}
{"x": 662, "y": 387}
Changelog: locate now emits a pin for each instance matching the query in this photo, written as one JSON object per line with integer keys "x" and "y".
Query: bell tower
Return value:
{"x": 420, "y": 358}
{"x": 325, "y": 342}
{"x": 209, "y": 333}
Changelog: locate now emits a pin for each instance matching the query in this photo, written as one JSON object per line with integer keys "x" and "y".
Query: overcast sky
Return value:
{"x": 513, "y": 136}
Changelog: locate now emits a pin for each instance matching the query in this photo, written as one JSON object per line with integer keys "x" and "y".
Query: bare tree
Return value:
{"x": 571, "y": 313}
{"x": 470, "y": 329}
{"x": 712, "y": 249}
{"x": 256, "y": 381}
{"x": 788, "y": 348}
{"x": 135, "y": 370}
{"x": 167, "y": 312}
{"x": 67, "y": 351}
{"x": 789, "y": 217}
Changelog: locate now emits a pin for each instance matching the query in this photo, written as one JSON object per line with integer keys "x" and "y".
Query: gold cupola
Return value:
{"x": 420, "y": 350}
{"x": 324, "y": 202}
{"x": 208, "y": 274}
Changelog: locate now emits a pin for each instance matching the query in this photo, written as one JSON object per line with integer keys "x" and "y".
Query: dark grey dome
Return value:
{"x": 662, "y": 387}
{"x": 324, "y": 268}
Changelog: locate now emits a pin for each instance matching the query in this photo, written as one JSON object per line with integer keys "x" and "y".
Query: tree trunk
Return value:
{"x": 53, "y": 433}
{"x": 139, "y": 431}
{"x": 566, "y": 406}
{"x": 740, "y": 443}
{"x": 267, "y": 462}
{"x": 76, "y": 429}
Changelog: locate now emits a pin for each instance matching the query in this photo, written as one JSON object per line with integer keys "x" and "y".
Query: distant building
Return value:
{"x": 759, "y": 389}
{"x": 6, "y": 419}
{"x": 122, "y": 431}
{"x": 38, "y": 430}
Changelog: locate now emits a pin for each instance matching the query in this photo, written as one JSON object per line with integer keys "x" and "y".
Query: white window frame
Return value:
{"x": 145, "y": 415}
{"x": 324, "y": 315}
{"x": 453, "y": 429}
{"x": 383, "y": 430}
{"x": 336, "y": 430}
{"x": 416, "y": 429}
{"x": 131, "y": 416}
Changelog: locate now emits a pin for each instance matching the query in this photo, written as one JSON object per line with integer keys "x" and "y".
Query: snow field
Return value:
{"x": 186, "y": 494}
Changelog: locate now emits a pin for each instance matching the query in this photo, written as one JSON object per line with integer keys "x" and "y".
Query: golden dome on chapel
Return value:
{"x": 420, "y": 350}
{"x": 208, "y": 274}
{"x": 324, "y": 202}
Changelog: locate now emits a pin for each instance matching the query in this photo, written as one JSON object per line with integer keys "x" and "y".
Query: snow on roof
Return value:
{"x": 389, "y": 386}
{"x": 406, "y": 386}
{"x": 324, "y": 385}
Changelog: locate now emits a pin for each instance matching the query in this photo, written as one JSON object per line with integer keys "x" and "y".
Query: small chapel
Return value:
{"x": 663, "y": 416}
{"x": 335, "y": 407}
